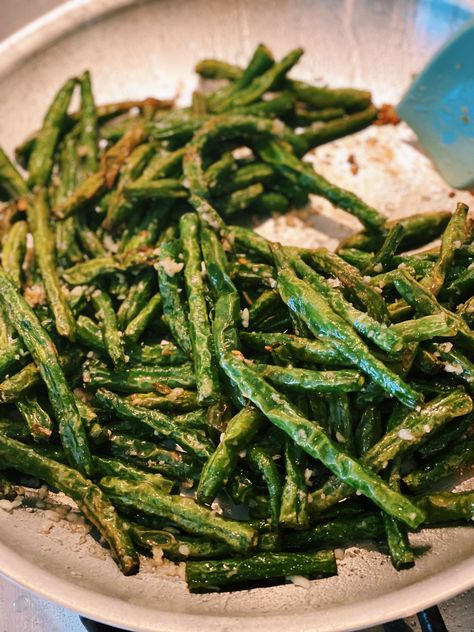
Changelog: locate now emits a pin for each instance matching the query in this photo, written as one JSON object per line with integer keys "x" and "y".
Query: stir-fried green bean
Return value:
{"x": 224, "y": 393}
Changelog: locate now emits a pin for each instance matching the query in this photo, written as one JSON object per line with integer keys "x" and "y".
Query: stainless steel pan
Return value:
{"x": 137, "y": 49}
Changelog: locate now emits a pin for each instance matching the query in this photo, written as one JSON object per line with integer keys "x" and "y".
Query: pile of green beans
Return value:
{"x": 196, "y": 388}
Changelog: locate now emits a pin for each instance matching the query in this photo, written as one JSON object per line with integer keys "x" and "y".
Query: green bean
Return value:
{"x": 453, "y": 237}
{"x": 38, "y": 217}
{"x": 383, "y": 337}
{"x": 447, "y": 506}
{"x": 261, "y": 461}
{"x": 245, "y": 176}
{"x": 458, "y": 457}
{"x": 301, "y": 116}
{"x": 200, "y": 330}
{"x": 252, "y": 242}
{"x": 89, "y": 498}
{"x": 401, "y": 553}
{"x": 217, "y": 266}
{"x": 337, "y": 532}
{"x": 110, "y": 165}
{"x": 119, "y": 205}
{"x": 12, "y": 355}
{"x": 463, "y": 283}
{"x": 248, "y": 274}
{"x": 227, "y": 302}
{"x": 40, "y": 162}
{"x": 368, "y": 431}
{"x": 241, "y": 488}
{"x": 359, "y": 259}
{"x": 155, "y": 190}
{"x": 174, "y": 313}
{"x": 198, "y": 103}
{"x": 178, "y": 547}
{"x": 240, "y": 200}
{"x": 137, "y": 297}
{"x": 68, "y": 169}
{"x": 84, "y": 273}
{"x": 37, "y": 419}
{"x": 111, "y": 335}
{"x": 184, "y": 512}
{"x": 238, "y": 434}
{"x": 11, "y": 179}
{"x": 140, "y": 322}
{"x": 351, "y": 278}
{"x": 425, "y": 328}
{"x": 445, "y": 438}
{"x": 423, "y": 302}
{"x": 294, "y": 497}
{"x": 322, "y": 97}
{"x": 314, "y": 441}
{"x": 105, "y": 466}
{"x": 322, "y": 351}
{"x": 114, "y": 159}
{"x": 163, "y": 165}
{"x": 144, "y": 379}
{"x": 140, "y": 238}
{"x": 275, "y": 323}
{"x": 14, "y": 250}
{"x": 276, "y": 107}
{"x": 158, "y": 421}
{"x": 195, "y": 420}
{"x": 264, "y": 305}
{"x": 216, "y": 69}
{"x": 147, "y": 230}
{"x": 149, "y": 456}
{"x": 217, "y": 127}
{"x": 85, "y": 194}
{"x": 88, "y": 140}
{"x": 13, "y": 429}
{"x": 218, "y": 173}
{"x": 105, "y": 112}
{"x": 89, "y": 240}
{"x": 42, "y": 349}
{"x": 308, "y": 380}
{"x": 386, "y": 279}
{"x": 320, "y": 133}
{"x": 90, "y": 335}
{"x": 340, "y": 420}
{"x": 175, "y": 127}
{"x": 67, "y": 249}
{"x": 174, "y": 400}
{"x": 6, "y": 338}
{"x": 411, "y": 431}
{"x": 419, "y": 230}
{"x": 29, "y": 376}
{"x": 301, "y": 298}
{"x": 164, "y": 354}
{"x": 261, "y": 61}
{"x": 280, "y": 157}
{"x": 383, "y": 257}
{"x": 399, "y": 546}
{"x": 315, "y": 96}
{"x": 88, "y": 413}
{"x": 212, "y": 575}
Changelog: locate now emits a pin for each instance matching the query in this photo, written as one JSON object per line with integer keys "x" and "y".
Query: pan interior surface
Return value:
{"x": 139, "y": 49}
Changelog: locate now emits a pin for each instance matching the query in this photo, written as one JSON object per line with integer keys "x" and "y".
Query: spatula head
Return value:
{"x": 439, "y": 107}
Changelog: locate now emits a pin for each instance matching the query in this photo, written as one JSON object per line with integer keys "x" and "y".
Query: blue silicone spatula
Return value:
{"x": 439, "y": 107}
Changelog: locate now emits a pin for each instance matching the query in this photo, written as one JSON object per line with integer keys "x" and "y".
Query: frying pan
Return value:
{"x": 138, "y": 49}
